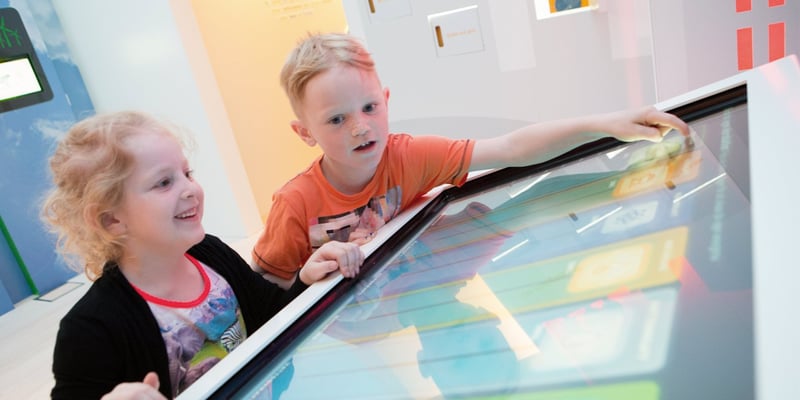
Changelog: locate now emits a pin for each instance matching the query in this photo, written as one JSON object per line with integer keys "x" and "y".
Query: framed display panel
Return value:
{"x": 22, "y": 79}
{"x": 620, "y": 270}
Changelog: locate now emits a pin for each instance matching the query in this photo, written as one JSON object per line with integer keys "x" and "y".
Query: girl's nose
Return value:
{"x": 190, "y": 189}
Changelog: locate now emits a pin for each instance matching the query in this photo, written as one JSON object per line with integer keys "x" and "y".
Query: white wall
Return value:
{"x": 695, "y": 41}
{"x": 624, "y": 53}
{"x": 576, "y": 64}
{"x": 148, "y": 55}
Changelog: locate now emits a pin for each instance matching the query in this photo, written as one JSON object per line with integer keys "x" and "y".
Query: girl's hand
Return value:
{"x": 147, "y": 389}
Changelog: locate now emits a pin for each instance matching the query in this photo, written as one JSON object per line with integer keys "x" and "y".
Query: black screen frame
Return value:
{"x": 690, "y": 112}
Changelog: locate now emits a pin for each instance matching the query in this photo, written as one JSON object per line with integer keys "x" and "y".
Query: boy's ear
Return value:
{"x": 300, "y": 129}
{"x": 386, "y": 94}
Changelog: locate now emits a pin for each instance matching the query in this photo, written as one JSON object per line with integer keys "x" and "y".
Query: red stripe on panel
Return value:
{"x": 777, "y": 41}
{"x": 744, "y": 5}
{"x": 744, "y": 48}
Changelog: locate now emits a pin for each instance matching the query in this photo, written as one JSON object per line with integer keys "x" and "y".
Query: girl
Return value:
{"x": 168, "y": 301}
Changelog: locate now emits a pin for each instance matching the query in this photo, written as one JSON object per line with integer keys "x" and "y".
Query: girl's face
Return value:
{"x": 162, "y": 205}
{"x": 345, "y": 111}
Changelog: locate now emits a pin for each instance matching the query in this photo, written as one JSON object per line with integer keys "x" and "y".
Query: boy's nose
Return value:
{"x": 359, "y": 130}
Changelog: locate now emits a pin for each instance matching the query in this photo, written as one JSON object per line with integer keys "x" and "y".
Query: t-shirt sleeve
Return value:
{"x": 283, "y": 246}
{"x": 436, "y": 160}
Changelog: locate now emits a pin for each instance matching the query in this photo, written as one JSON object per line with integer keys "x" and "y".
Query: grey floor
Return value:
{"x": 27, "y": 336}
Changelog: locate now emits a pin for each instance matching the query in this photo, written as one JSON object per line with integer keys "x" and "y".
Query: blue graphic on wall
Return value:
{"x": 28, "y": 262}
{"x": 563, "y": 5}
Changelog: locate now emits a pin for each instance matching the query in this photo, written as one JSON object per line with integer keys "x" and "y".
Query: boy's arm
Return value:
{"x": 282, "y": 247}
{"x": 281, "y": 282}
{"x": 543, "y": 141}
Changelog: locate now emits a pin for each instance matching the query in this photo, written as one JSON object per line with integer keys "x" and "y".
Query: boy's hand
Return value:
{"x": 346, "y": 257}
{"x": 646, "y": 123}
{"x": 361, "y": 236}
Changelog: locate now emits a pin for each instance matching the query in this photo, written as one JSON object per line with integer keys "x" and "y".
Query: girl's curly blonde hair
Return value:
{"x": 89, "y": 167}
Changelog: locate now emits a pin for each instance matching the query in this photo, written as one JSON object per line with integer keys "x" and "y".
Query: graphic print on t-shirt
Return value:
{"x": 359, "y": 223}
{"x": 198, "y": 336}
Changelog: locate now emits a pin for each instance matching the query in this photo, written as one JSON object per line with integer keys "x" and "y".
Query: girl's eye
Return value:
{"x": 337, "y": 120}
{"x": 370, "y": 107}
{"x": 189, "y": 174}
{"x": 164, "y": 183}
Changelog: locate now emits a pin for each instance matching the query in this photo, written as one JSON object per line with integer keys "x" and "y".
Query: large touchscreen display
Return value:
{"x": 622, "y": 275}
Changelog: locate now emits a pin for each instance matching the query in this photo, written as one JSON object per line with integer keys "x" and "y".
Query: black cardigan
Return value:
{"x": 110, "y": 335}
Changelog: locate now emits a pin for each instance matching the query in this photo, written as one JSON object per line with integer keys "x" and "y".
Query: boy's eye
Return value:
{"x": 336, "y": 120}
{"x": 370, "y": 107}
{"x": 189, "y": 174}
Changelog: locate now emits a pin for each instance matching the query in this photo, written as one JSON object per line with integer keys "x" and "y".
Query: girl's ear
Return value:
{"x": 112, "y": 225}
{"x": 300, "y": 129}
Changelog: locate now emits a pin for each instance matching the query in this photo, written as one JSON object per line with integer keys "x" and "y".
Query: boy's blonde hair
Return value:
{"x": 89, "y": 168}
{"x": 316, "y": 54}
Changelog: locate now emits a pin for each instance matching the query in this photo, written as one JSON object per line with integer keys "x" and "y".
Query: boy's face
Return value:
{"x": 345, "y": 111}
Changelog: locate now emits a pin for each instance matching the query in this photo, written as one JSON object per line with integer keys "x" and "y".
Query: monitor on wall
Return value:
{"x": 22, "y": 79}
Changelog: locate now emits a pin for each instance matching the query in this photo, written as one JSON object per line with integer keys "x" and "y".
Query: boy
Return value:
{"x": 366, "y": 175}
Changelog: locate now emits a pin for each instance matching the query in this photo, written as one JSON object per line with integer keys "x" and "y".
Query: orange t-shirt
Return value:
{"x": 307, "y": 211}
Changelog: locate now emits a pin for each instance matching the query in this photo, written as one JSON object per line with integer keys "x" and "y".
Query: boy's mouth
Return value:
{"x": 365, "y": 146}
